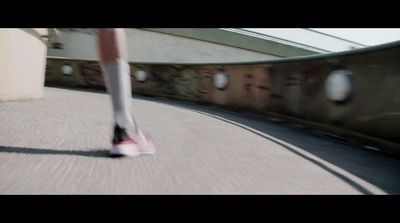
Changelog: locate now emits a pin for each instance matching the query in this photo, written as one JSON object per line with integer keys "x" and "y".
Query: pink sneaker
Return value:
{"x": 124, "y": 145}
{"x": 146, "y": 144}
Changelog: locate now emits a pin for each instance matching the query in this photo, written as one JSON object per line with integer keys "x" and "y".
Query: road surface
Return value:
{"x": 59, "y": 145}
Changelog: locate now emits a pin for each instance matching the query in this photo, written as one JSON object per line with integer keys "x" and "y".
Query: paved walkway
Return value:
{"x": 58, "y": 145}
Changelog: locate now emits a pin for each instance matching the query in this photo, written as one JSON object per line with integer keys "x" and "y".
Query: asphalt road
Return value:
{"x": 59, "y": 145}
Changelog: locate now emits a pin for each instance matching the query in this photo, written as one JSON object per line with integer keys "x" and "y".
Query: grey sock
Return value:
{"x": 118, "y": 83}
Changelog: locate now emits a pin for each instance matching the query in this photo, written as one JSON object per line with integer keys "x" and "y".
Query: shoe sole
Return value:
{"x": 129, "y": 150}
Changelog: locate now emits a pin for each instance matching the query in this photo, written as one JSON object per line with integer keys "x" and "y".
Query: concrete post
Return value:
{"x": 23, "y": 55}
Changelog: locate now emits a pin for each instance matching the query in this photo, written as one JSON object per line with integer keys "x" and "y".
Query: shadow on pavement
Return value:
{"x": 88, "y": 153}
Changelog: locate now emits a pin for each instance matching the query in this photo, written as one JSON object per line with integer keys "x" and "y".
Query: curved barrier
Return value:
{"x": 22, "y": 63}
{"x": 352, "y": 94}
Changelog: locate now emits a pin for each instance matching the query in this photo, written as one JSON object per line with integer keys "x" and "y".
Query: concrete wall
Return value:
{"x": 22, "y": 63}
{"x": 245, "y": 40}
{"x": 310, "y": 37}
{"x": 155, "y": 47}
{"x": 355, "y": 95}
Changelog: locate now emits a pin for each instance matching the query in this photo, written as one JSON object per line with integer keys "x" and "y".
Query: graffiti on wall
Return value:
{"x": 249, "y": 83}
{"x": 255, "y": 90}
{"x": 263, "y": 91}
{"x": 49, "y": 71}
{"x": 163, "y": 77}
{"x": 91, "y": 74}
{"x": 187, "y": 84}
{"x": 206, "y": 79}
{"x": 174, "y": 81}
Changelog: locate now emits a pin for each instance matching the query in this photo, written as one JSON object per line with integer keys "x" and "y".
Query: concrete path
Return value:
{"x": 58, "y": 145}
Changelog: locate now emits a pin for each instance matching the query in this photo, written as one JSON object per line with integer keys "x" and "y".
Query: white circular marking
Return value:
{"x": 141, "y": 75}
{"x": 220, "y": 80}
{"x": 338, "y": 85}
{"x": 67, "y": 70}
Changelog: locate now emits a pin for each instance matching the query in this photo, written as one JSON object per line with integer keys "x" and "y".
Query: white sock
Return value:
{"x": 118, "y": 83}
